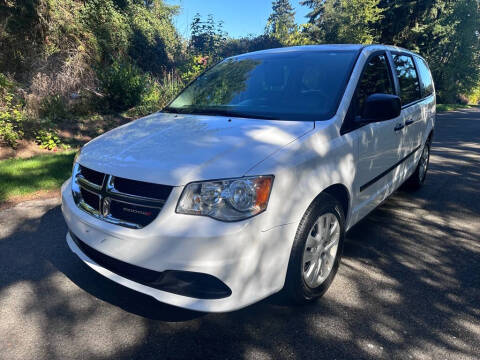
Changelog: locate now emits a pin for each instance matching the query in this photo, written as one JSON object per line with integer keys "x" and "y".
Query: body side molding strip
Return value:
{"x": 378, "y": 177}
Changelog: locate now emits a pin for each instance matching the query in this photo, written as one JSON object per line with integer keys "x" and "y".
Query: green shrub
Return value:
{"x": 123, "y": 84}
{"x": 474, "y": 97}
{"x": 9, "y": 133}
{"x": 194, "y": 66}
{"x": 12, "y": 114}
{"x": 47, "y": 139}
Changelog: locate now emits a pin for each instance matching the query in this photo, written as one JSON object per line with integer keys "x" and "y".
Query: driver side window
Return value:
{"x": 375, "y": 79}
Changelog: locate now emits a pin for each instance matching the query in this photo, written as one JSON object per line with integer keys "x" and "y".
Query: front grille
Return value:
{"x": 186, "y": 283}
{"x": 92, "y": 176}
{"x": 130, "y": 203}
{"x": 143, "y": 189}
{"x": 142, "y": 215}
{"x": 91, "y": 199}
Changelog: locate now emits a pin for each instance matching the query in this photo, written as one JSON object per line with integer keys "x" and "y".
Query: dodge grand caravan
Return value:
{"x": 246, "y": 183}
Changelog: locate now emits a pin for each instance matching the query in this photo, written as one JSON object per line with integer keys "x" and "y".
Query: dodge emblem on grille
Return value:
{"x": 106, "y": 206}
{"x": 133, "y": 211}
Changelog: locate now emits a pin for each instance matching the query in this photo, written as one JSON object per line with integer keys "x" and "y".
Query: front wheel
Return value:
{"x": 316, "y": 251}
{"x": 418, "y": 177}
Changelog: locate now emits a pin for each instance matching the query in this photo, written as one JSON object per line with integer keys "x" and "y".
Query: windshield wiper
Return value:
{"x": 175, "y": 110}
{"x": 217, "y": 111}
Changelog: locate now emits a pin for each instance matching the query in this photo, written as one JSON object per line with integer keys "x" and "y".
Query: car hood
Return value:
{"x": 175, "y": 149}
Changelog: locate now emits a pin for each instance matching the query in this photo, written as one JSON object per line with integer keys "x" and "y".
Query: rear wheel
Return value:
{"x": 316, "y": 251}
{"x": 418, "y": 177}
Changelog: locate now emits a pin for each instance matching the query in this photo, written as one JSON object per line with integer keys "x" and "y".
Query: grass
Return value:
{"x": 21, "y": 177}
{"x": 450, "y": 107}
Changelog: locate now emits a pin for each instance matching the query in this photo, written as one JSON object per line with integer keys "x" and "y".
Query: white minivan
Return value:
{"x": 246, "y": 183}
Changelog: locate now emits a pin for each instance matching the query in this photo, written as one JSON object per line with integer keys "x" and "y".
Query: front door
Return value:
{"x": 379, "y": 144}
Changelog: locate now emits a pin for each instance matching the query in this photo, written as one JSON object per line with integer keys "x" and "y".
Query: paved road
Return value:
{"x": 408, "y": 287}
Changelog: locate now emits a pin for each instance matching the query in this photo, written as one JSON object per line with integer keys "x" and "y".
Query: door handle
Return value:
{"x": 398, "y": 127}
{"x": 409, "y": 122}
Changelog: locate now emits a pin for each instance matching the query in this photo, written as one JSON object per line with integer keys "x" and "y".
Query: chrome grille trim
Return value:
{"x": 87, "y": 183}
{"x": 108, "y": 190}
{"x": 85, "y": 205}
{"x": 129, "y": 197}
{"x": 86, "y": 178}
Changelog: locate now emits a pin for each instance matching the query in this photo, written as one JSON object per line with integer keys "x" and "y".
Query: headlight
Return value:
{"x": 226, "y": 200}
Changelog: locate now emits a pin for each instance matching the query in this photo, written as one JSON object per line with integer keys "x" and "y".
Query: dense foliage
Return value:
{"x": 344, "y": 21}
{"x": 11, "y": 114}
{"x": 63, "y": 58}
{"x": 282, "y": 20}
{"x": 75, "y": 56}
{"x": 445, "y": 32}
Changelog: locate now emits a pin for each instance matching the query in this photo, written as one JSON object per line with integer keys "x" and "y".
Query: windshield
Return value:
{"x": 285, "y": 86}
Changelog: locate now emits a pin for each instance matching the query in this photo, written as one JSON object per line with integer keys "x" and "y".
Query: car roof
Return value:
{"x": 309, "y": 48}
{"x": 328, "y": 47}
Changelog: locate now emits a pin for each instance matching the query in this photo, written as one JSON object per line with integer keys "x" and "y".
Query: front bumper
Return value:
{"x": 186, "y": 283}
{"x": 250, "y": 261}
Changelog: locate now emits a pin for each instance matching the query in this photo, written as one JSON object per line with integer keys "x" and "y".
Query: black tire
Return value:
{"x": 296, "y": 289}
{"x": 417, "y": 179}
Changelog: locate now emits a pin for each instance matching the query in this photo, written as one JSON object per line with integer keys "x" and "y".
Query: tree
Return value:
{"x": 207, "y": 37}
{"x": 344, "y": 21}
{"x": 457, "y": 66}
{"x": 445, "y": 32}
{"x": 317, "y": 8}
{"x": 205, "y": 47}
{"x": 281, "y": 21}
{"x": 22, "y": 32}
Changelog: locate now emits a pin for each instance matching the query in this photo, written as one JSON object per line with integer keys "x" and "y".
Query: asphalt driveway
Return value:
{"x": 408, "y": 287}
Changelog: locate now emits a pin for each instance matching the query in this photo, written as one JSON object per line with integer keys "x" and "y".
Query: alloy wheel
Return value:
{"x": 321, "y": 250}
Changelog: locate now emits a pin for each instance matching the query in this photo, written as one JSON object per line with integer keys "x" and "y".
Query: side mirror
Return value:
{"x": 380, "y": 107}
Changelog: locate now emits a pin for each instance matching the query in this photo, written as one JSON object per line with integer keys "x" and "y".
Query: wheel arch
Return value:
{"x": 340, "y": 193}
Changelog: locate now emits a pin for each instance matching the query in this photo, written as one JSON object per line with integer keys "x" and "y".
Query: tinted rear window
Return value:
{"x": 408, "y": 78}
{"x": 425, "y": 77}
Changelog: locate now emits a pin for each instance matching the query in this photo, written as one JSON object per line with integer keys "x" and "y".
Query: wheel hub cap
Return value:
{"x": 321, "y": 250}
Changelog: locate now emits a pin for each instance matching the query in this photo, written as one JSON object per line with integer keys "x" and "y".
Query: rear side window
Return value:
{"x": 407, "y": 77}
{"x": 425, "y": 77}
{"x": 375, "y": 79}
